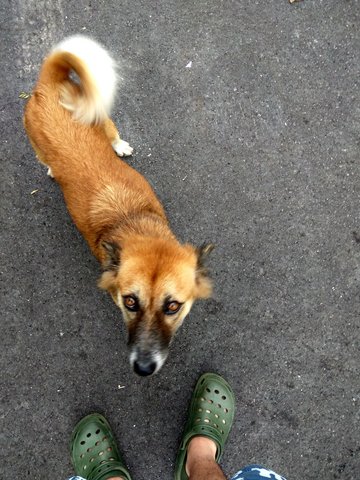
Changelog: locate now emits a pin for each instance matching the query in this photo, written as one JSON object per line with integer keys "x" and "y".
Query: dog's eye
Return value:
{"x": 171, "y": 308}
{"x": 131, "y": 303}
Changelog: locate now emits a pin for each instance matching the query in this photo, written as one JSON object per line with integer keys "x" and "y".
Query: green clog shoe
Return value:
{"x": 211, "y": 415}
{"x": 94, "y": 452}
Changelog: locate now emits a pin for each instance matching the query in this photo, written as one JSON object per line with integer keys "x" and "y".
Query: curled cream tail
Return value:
{"x": 92, "y": 100}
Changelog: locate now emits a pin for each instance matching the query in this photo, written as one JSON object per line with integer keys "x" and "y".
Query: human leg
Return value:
{"x": 200, "y": 460}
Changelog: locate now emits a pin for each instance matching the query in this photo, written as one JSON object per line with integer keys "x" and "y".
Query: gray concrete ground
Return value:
{"x": 256, "y": 148}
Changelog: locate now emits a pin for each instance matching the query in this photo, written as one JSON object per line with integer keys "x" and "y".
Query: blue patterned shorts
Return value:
{"x": 251, "y": 472}
{"x": 256, "y": 472}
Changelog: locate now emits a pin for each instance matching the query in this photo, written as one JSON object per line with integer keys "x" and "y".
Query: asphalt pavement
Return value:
{"x": 245, "y": 118}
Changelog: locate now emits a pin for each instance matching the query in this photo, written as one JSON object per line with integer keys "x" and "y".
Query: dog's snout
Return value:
{"x": 144, "y": 369}
{"x": 147, "y": 354}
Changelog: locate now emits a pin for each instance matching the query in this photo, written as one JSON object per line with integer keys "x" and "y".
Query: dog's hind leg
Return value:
{"x": 40, "y": 157}
{"x": 121, "y": 147}
{"x": 38, "y": 153}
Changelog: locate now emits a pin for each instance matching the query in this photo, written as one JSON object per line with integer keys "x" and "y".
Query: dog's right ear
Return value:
{"x": 112, "y": 256}
{"x": 110, "y": 265}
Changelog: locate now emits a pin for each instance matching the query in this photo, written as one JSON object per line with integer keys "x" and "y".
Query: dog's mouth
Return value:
{"x": 145, "y": 363}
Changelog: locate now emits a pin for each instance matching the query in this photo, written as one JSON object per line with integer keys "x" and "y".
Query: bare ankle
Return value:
{"x": 200, "y": 449}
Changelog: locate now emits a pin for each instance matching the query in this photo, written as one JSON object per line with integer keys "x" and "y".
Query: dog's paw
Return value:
{"x": 122, "y": 148}
{"x": 49, "y": 172}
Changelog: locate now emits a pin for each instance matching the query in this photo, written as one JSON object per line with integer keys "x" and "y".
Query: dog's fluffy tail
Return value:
{"x": 91, "y": 100}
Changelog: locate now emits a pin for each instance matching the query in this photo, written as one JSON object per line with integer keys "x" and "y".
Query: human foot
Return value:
{"x": 94, "y": 451}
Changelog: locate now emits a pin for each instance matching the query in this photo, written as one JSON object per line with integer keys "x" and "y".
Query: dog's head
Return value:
{"x": 154, "y": 282}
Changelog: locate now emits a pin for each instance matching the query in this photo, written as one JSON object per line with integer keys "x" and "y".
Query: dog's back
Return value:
{"x": 69, "y": 128}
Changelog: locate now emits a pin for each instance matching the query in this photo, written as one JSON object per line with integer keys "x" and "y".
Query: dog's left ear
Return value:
{"x": 112, "y": 256}
{"x": 203, "y": 280}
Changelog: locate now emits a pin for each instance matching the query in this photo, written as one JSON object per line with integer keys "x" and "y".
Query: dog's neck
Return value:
{"x": 135, "y": 228}
{"x": 148, "y": 224}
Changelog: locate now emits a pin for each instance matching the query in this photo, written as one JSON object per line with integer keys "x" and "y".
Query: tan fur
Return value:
{"x": 112, "y": 205}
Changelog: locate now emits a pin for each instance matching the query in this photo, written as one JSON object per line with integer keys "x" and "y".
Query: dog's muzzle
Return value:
{"x": 146, "y": 363}
{"x": 148, "y": 349}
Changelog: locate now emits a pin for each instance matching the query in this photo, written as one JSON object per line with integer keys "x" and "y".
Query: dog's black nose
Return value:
{"x": 144, "y": 369}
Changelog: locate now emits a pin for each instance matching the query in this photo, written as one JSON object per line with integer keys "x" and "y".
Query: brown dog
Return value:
{"x": 151, "y": 276}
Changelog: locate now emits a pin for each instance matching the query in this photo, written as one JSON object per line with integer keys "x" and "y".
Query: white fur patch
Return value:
{"x": 159, "y": 359}
{"x": 133, "y": 357}
{"x": 122, "y": 148}
{"x": 101, "y": 68}
{"x": 119, "y": 299}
